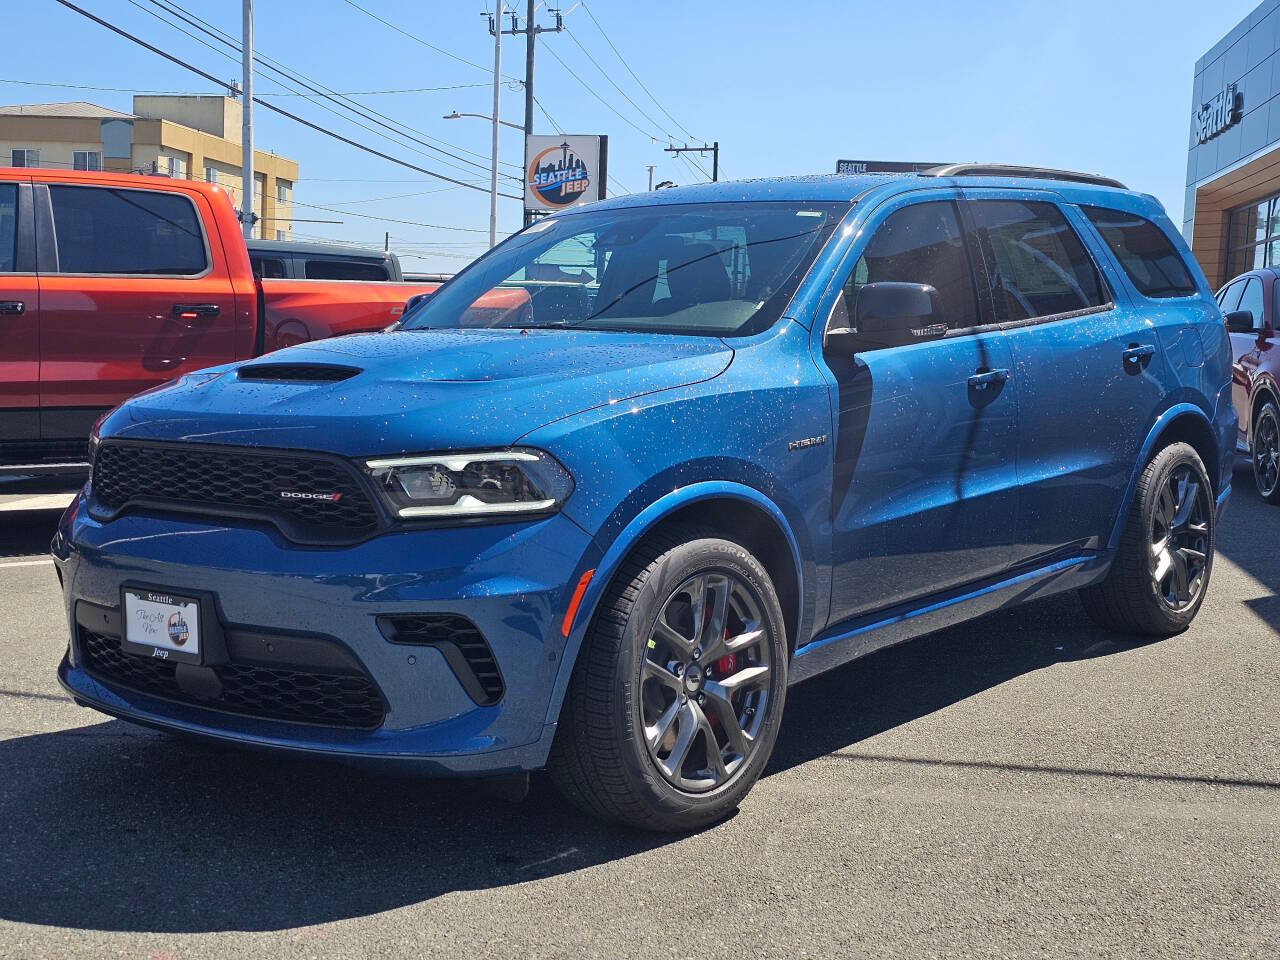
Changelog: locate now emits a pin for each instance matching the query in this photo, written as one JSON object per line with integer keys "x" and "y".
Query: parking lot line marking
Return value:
{"x": 24, "y": 563}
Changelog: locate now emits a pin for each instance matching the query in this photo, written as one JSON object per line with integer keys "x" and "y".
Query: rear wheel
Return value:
{"x": 1266, "y": 453}
{"x": 1160, "y": 573}
{"x": 675, "y": 700}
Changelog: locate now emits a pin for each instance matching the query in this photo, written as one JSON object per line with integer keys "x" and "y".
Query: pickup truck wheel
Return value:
{"x": 677, "y": 694}
{"x": 1266, "y": 453}
{"x": 1160, "y": 573}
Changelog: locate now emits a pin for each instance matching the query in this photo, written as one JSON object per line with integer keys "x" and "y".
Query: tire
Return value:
{"x": 613, "y": 757}
{"x": 1264, "y": 453}
{"x": 1141, "y": 592}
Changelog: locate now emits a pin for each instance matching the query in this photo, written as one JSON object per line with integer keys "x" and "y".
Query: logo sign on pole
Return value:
{"x": 563, "y": 171}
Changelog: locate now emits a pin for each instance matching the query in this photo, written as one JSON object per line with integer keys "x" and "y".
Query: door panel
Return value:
{"x": 140, "y": 296}
{"x": 19, "y": 317}
{"x": 924, "y": 484}
{"x": 1089, "y": 383}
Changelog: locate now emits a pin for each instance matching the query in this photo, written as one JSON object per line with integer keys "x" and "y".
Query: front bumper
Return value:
{"x": 508, "y": 579}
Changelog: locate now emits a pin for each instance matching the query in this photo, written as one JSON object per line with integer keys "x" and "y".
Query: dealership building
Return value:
{"x": 1232, "y": 212}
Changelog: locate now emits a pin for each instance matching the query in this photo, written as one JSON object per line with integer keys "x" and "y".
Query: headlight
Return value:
{"x": 485, "y": 483}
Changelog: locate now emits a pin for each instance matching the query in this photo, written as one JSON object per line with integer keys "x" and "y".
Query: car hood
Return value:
{"x": 417, "y": 391}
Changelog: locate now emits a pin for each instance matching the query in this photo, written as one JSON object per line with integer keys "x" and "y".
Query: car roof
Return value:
{"x": 317, "y": 249}
{"x": 851, "y": 187}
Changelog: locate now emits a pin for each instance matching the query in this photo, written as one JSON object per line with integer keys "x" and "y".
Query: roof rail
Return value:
{"x": 1014, "y": 170}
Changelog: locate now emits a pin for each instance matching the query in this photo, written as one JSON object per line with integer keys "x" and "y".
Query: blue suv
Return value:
{"x": 596, "y": 503}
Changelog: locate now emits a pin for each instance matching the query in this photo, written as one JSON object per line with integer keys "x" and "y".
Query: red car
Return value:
{"x": 1250, "y": 303}
{"x": 112, "y": 283}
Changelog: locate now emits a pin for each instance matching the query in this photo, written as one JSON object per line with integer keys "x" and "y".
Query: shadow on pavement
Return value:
{"x": 115, "y": 828}
{"x": 25, "y": 532}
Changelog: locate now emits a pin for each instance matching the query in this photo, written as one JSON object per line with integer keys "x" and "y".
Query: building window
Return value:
{"x": 282, "y": 191}
{"x": 210, "y": 174}
{"x": 25, "y": 158}
{"x": 281, "y": 235}
{"x": 1253, "y": 236}
{"x": 86, "y": 160}
{"x": 176, "y": 167}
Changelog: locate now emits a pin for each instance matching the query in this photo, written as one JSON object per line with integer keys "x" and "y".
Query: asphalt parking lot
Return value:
{"x": 1024, "y": 786}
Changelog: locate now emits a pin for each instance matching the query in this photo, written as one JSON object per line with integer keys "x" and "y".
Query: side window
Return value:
{"x": 1251, "y": 300}
{"x": 8, "y": 226}
{"x": 1229, "y": 299}
{"x": 345, "y": 270}
{"x": 921, "y": 243}
{"x": 1150, "y": 260}
{"x": 102, "y": 230}
{"x": 267, "y": 268}
{"x": 1041, "y": 268}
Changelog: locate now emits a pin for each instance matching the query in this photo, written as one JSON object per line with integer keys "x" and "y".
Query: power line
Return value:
{"x": 314, "y": 85}
{"x": 272, "y": 107}
{"x": 590, "y": 90}
{"x": 370, "y": 216}
{"x": 178, "y": 93}
{"x": 418, "y": 39}
{"x": 605, "y": 74}
{"x": 622, "y": 60}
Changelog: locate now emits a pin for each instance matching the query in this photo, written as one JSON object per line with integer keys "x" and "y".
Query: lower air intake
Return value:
{"x": 463, "y": 646}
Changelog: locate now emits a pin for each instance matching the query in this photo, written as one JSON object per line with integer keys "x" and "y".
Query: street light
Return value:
{"x": 480, "y": 116}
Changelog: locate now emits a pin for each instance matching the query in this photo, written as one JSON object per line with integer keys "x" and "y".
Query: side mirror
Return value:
{"x": 1240, "y": 321}
{"x": 417, "y": 300}
{"x": 890, "y": 314}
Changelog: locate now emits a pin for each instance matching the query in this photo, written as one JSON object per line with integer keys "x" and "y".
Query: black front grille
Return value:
{"x": 270, "y": 692}
{"x": 297, "y": 372}
{"x": 462, "y": 644}
{"x": 311, "y": 498}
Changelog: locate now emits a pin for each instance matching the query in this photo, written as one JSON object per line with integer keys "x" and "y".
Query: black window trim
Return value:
{"x": 54, "y": 267}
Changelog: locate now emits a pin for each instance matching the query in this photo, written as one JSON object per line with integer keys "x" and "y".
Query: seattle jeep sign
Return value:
{"x": 1219, "y": 113}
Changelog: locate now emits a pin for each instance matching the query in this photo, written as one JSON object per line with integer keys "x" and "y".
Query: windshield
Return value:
{"x": 710, "y": 269}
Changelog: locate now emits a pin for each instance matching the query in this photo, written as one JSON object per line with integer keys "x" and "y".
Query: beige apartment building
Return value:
{"x": 193, "y": 137}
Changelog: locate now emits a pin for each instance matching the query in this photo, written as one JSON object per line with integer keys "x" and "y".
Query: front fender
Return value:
{"x": 631, "y": 534}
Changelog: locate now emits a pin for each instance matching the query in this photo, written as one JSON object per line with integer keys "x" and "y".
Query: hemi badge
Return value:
{"x": 807, "y": 442}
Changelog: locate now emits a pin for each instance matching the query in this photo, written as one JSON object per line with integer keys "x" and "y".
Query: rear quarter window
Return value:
{"x": 345, "y": 270}
{"x": 1146, "y": 254}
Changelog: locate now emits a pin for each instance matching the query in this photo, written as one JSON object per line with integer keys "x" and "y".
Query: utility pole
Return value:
{"x": 493, "y": 163}
{"x": 650, "y": 169}
{"x": 714, "y": 150}
{"x": 531, "y": 31}
{"x": 246, "y": 128}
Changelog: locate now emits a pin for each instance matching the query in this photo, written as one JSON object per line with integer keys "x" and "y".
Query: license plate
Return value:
{"x": 162, "y": 625}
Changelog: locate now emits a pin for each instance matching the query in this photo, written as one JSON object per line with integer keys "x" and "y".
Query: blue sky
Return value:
{"x": 785, "y": 88}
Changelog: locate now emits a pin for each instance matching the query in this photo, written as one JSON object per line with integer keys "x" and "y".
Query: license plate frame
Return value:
{"x": 163, "y": 624}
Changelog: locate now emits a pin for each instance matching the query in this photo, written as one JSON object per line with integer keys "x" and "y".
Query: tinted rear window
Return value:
{"x": 1040, "y": 266}
{"x": 1147, "y": 255}
{"x": 268, "y": 268}
{"x": 103, "y": 230}
{"x": 345, "y": 270}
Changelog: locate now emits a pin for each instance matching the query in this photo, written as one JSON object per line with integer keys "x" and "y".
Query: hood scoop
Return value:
{"x": 296, "y": 372}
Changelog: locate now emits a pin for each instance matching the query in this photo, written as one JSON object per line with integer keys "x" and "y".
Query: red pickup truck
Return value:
{"x": 113, "y": 283}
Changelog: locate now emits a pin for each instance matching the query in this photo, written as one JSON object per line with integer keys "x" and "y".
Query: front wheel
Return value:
{"x": 1266, "y": 453}
{"x": 677, "y": 694}
{"x": 1160, "y": 572}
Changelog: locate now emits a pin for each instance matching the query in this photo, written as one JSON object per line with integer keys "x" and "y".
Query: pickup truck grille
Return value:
{"x": 310, "y": 498}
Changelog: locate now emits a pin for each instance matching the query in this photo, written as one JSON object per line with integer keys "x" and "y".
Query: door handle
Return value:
{"x": 1137, "y": 356}
{"x": 986, "y": 379}
{"x": 196, "y": 311}
{"x": 12, "y": 308}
